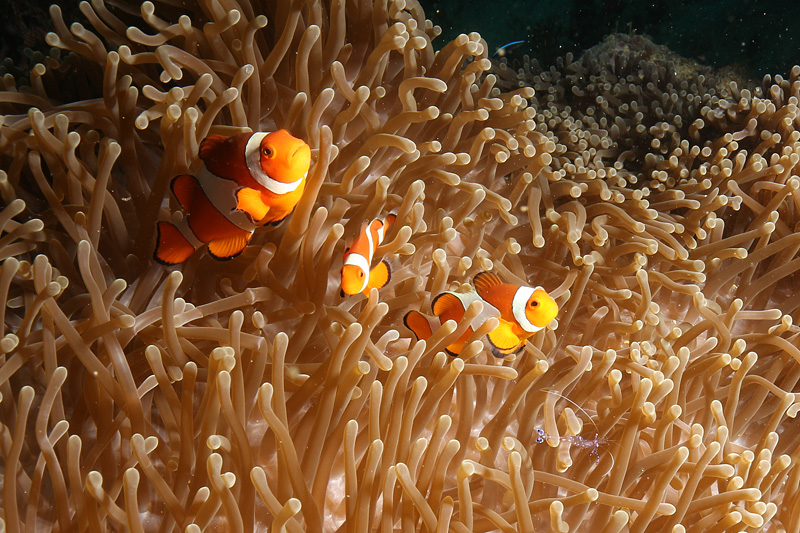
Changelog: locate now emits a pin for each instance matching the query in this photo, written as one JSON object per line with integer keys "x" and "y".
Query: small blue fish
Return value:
{"x": 507, "y": 48}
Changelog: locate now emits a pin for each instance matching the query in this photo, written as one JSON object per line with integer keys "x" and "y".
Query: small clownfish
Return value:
{"x": 249, "y": 180}
{"x": 356, "y": 274}
{"x": 522, "y": 311}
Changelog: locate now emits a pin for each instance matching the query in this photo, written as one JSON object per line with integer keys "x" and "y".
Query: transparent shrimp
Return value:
{"x": 578, "y": 441}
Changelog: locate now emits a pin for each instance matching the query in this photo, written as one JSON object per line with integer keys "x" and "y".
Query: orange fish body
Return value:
{"x": 269, "y": 168}
{"x": 448, "y": 306}
{"x": 522, "y": 311}
{"x": 249, "y": 180}
{"x": 356, "y": 273}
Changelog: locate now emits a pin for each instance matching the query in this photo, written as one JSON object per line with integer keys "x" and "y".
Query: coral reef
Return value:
{"x": 657, "y": 205}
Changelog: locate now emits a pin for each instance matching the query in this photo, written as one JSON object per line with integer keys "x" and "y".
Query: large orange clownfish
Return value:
{"x": 522, "y": 311}
{"x": 249, "y": 180}
{"x": 356, "y": 274}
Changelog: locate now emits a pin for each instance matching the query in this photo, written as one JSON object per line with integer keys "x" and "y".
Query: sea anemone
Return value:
{"x": 657, "y": 204}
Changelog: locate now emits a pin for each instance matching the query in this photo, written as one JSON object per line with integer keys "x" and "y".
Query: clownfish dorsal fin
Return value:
{"x": 228, "y": 247}
{"x": 184, "y": 188}
{"x": 485, "y": 281}
{"x": 225, "y": 157}
{"x": 209, "y": 145}
{"x": 503, "y": 340}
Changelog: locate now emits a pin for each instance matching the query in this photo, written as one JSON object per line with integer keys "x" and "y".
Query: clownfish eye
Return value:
{"x": 360, "y": 273}
{"x": 533, "y": 303}
{"x": 267, "y": 151}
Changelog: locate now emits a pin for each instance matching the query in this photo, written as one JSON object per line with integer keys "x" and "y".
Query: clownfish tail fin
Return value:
{"x": 445, "y": 301}
{"x": 379, "y": 276}
{"x": 171, "y": 246}
{"x": 418, "y": 324}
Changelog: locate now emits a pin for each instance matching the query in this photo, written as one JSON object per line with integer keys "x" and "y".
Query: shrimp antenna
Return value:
{"x": 581, "y": 409}
{"x": 596, "y": 440}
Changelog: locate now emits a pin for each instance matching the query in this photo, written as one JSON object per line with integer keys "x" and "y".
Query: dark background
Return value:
{"x": 755, "y": 37}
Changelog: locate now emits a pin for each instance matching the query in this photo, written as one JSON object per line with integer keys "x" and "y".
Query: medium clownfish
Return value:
{"x": 521, "y": 310}
{"x": 449, "y": 306}
{"x": 356, "y": 274}
{"x": 249, "y": 180}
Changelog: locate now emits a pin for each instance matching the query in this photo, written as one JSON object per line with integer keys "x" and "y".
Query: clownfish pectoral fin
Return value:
{"x": 484, "y": 282}
{"x": 504, "y": 341}
{"x": 378, "y": 276}
{"x": 418, "y": 324}
{"x": 171, "y": 246}
{"x": 184, "y": 188}
{"x": 249, "y": 200}
{"x": 229, "y": 247}
{"x": 210, "y": 144}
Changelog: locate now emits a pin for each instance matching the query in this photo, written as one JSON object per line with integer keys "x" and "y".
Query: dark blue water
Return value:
{"x": 755, "y": 37}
